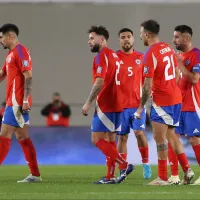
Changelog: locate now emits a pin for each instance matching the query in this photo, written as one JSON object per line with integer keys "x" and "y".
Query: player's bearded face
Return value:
{"x": 94, "y": 42}
{"x": 143, "y": 36}
{"x": 3, "y": 40}
{"x": 95, "y": 48}
{"x": 179, "y": 41}
{"x": 126, "y": 41}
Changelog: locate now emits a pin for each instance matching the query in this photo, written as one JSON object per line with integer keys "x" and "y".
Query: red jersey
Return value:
{"x": 18, "y": 60}
{"x": 190, "y": 92}
{"x": 106, "y": 65}
{"x": 160, "y": 63}
{"x": 131, "y": 78}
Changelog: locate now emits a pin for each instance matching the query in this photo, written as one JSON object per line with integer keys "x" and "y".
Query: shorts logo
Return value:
{"x": 25, "y": 63}
{"x": 146, "y": 70}
{"x": 187, "y": 62}
{"x": 99, "y": 69}
{"x": 138, "y": 61}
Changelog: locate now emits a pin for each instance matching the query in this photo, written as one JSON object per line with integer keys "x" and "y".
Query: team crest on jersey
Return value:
{"x": 138, "y": 61}
{"x": 146, "y": 70}
{"x": 187, "y": 62}
{"x": 25, "y": 63}
{"x": 99, "y": 69}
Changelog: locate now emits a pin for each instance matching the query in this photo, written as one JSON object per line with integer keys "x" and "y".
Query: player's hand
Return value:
{"x": 137, "y": 114}
{"x": 85, "y": 109}
{"x": 26, "y": 107}
{"x": 178, "y": 57}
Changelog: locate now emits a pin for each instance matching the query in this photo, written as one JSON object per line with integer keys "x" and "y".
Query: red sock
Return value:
{"x": 4, "y": 148}
{"x": 30, "y": 156}
{"x": 183, "y": 162}
{"x": 111, "y": 151}
{"x": 162, "y": 169}
{"x": 144, "y": 151}
{"x": 110, "y": 165}
{"x": 124, "y": 156}
{"x": 196, "y": 149}
{"x": 173, "y": 161}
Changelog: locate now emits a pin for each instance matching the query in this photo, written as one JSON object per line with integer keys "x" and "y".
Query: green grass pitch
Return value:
{"x": 75, "y": 182}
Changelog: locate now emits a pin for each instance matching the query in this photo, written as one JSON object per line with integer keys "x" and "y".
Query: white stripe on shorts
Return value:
{"x": 166, "y": 117}
{"x": 105, "y": 120}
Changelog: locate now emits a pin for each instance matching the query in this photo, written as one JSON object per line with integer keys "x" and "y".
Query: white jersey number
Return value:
{"x": 169, "y": 63}
{"x": 130, "y": 71}
{"x": 117, "y": 72}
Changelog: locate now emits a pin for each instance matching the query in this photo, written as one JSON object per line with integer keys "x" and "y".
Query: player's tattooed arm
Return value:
{"x": 146, "y": 91}
{"x": 95, "y": 90}
{"x": 27, "y": 84}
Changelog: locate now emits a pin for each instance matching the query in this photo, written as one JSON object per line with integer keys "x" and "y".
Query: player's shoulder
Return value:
{"x": 20, "y": 50}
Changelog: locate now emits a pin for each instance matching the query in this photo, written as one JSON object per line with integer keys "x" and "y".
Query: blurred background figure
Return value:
{"x": 57, "y": 113}
{"x": 2, "y": 108}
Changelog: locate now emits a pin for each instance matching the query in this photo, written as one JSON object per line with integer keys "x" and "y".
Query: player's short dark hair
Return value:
{"x": 125, "y": 30}
{"x": 99, "y": 30}
{"x": 56, "y": 94}
{"x": 183, "y": 29}
{"x": 9, "y": 27}
{"x": 151, "y": 26}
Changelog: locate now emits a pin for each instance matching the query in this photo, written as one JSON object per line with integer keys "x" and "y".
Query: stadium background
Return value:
{"x": 56, "y": 34}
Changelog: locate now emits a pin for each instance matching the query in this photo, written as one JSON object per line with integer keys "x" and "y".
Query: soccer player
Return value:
{"x": 131, "y": 83}
{"x": 106, "y": 91}
{"x": 189, "y": 84}
{"x": 18, "y": 70}
{"x": 160, "y": 68}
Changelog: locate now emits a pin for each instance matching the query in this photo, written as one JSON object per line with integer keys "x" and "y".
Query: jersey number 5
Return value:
{"x": 169, "y": 64}
{"x": 117, "y": 72}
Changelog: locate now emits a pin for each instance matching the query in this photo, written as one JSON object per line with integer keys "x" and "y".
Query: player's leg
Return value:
{"x": 192, "y": 124}
{"x": 111, "y": 164}
{"x": 160, "y": 133}
{"x": 8, "y": 127}
{"x": 139, "y": 125}
{"x": 22, "y": 135}
{"x": 172, "y": 157}
{"x": 109, "y": 122}
{"x": 123, "y": 136}
{"x": 122, "y": 147}
{"x": 161, "y": 117}
{"x": 178, "y": 148}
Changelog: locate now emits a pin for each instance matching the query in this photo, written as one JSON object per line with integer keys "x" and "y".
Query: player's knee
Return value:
{"x": 194, "y": 141}
{"x": 139, "y": 134}
{"x": 21, "y": 137}
{"x": 6, "y": 131}
{"x": 160, "y": 138}
{"x": 123, "y": 139}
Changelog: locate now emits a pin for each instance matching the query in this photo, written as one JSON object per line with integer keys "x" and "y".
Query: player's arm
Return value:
{"x": 194, "y": 76}
{"x": 177, "y": 74}
{"x": 146, "y": 91}
{"x": 24, "y": 63}
{"x": 100, "y": 69}
{"x": 95, "y": 90}
{"x": 27, "y": 84}
{"x": 2, "y": 75}
{"x": 147, "y": 88}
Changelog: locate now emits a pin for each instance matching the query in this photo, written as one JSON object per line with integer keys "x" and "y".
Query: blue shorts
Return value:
{"x": 169, "y": 115}
{"x": 14, "y": 116}
{"x": 106, "y": 122}
{"x": 129, "y": 122}
{"x": 189, "y": 124}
